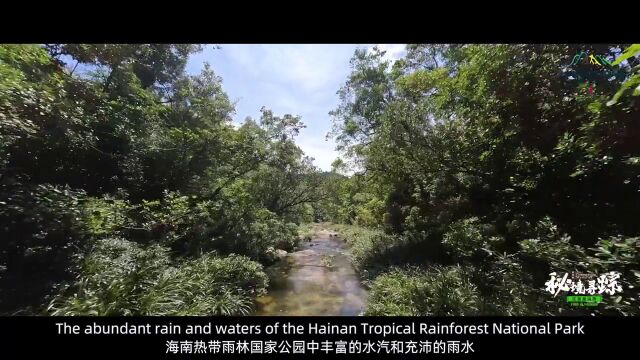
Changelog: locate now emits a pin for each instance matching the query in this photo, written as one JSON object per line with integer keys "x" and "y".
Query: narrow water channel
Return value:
{"x": 317, "y": 279}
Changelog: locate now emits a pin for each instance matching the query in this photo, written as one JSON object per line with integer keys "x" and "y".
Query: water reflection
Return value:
{"x": 316, "y": 280}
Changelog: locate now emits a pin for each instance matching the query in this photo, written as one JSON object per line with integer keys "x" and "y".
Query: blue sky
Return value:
{"x": 295, "y": 79}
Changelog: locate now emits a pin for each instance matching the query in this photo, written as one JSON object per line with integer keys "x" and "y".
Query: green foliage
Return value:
{"x": 487, "y": 166}
{"x": 113, "y": 277}
{"x": 493, "y": 158}
{"x": 271, "y": 232}
{"x": 308, "y": 214}
{"x": 553, "y": 248}
{"x": 621, "y": 254}
{"x": 369, "y": 249}
{"x": 122, "y": 278}
{"x": 152, "y": 63}
{"x": 209, "y": 285}
{"x": 348, "y": 200}
{"x": 469, "y": 239}
{"x": 372, "y": 251}
{"x": 106, "y": 216}
{"x": 41, "y": 230}
{"x": 100, "y": 143}
{"x": 439, "y": 291}
{"x": 247, "y": 228}
{"x": 368, "y": 214}
{"x": 176, "y": 221}
{"x": 306, "y": 231}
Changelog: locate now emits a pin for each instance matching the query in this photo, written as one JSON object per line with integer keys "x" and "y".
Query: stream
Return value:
{"x": 317, "y": 279}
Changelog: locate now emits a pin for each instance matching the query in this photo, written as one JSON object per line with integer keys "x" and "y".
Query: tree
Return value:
{"x": 492, "y": 148}
{"x": 129, "y": 175}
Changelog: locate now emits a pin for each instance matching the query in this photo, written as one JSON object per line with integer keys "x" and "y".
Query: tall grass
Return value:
{"x": 437, "y": 291}
{"x": 123, "y": 278}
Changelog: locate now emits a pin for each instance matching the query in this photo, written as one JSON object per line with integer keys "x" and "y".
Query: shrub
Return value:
{"x": 436, "y": 291}
{"x": 505, "y": 286}
{"x": 40, "y": 232}
{"x": 120, "y": 277}
{"x": 621, "y": 254}
{"x": 308, "y": 213}
{"x": 305, "y": 231}
{"x": 259, "y": 237}
{"x": 177, "y": 221}
{"x": 277, "y": 233}
{"x": 114, "y": 276}
{"x": 106, "y": 216}
{"x": 369, "y": 213}
{"x": 372, "y": 251}
{"x": 368, "y": 247}
{"x": 470, "y": 240}
{"x": 208, "y": 285}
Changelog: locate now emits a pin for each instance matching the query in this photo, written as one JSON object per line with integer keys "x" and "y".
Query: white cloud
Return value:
{"x": 393, "y": 51}
{"x": 323, "y": 152}
{"x": 310, "y": 67}
{"x": 296, "y": 79}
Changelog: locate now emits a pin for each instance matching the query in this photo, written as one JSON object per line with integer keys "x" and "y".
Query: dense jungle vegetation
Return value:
{"x": 470, "y": 172}
{"x": 481, "y": 169}
{"x": 125, "y": 189}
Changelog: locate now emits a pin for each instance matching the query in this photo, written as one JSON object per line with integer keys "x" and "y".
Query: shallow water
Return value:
{"x": 318, "y": 279}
